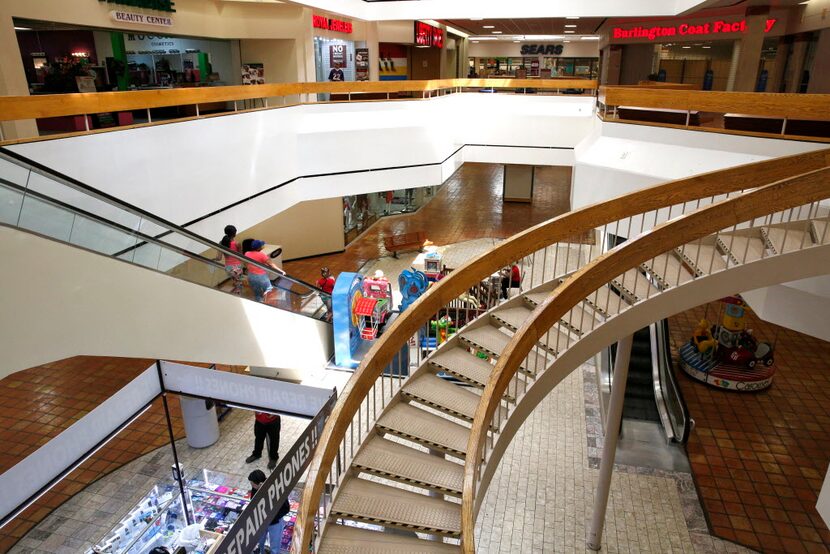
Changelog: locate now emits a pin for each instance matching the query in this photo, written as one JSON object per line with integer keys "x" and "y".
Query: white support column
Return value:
{"x": 609, "y": 447}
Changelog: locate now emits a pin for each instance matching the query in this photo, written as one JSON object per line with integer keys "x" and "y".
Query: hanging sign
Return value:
{"x": 361, "y": 63}
{"x": 427, "y": 35}
{"x": 337, "y": 55}
{"x": 141, "y": 19}
{"x": 542, "y": 49}
{"x": 320, "y": 22}
{"x": 684, "y": 29}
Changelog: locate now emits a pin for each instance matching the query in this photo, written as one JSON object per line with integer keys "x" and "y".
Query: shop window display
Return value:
{"x": 360, "y": 211}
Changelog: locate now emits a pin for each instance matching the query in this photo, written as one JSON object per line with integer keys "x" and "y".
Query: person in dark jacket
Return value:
{"x": 277, "y": 525}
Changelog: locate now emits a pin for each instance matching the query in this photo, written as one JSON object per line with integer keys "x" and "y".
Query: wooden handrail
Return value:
{"x": 791, "y": 106}
{"x": 518, "y": 246}
{"x": 783, "y": 194}
{"x": 54, "y": 105}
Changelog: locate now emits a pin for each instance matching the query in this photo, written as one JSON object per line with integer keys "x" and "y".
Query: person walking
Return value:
{"x": 277, "y": 525}
{"x": 257, "y": 277}
{"x": 266, "y": 425}
{"x": 326, "y": 284}
{"x": 233, "y": 265}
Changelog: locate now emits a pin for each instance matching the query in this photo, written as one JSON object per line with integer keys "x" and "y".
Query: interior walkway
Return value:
{"x": 759, "y": 459}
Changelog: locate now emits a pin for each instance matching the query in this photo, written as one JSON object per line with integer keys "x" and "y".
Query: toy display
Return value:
{"x": 433, "y": 267}
{"x": 374, "y": 307}
{"x": 727, "y": 355}
{"x": 412, "y": 284}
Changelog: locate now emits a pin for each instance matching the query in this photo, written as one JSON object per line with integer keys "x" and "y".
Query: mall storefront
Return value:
{"x": 508, "y": 58}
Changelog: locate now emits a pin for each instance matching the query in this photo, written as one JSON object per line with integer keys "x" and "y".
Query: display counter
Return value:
{"x": 155, "y": 521}
{"x": 217, "y": 499}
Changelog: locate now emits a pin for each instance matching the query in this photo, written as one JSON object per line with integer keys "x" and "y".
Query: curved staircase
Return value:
{"x": 412, "y": 462}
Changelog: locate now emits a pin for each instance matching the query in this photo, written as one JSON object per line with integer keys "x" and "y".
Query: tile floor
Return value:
{"x": 88, "y": 516}
{"x": 759, "y": 459}
{"x": 468, "y": 206}
{"x": 38, "y": 403}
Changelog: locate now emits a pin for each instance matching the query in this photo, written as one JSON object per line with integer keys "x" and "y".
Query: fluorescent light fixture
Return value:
{"x": 22, "y": 28}
{"x": 705, "y": 46}
{"x": 476, "y": 18}
{"x": 517, "y": 41}
{"x": 572, "y": 17}
{"x": 475, "y": 42}
{"x": 496, "y": 32}
{"x": 589, "y": 37}
{"x": 686, "y": 47}
{"x": 570, "y": 26}
{"x": 421, "y": 46}
{"x": 484, "y": 38}
{"x": 566, "y": 41}
{"x": 488, "y": 26}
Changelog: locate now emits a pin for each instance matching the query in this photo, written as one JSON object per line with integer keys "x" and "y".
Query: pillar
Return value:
{"x": 13, "y": 80}
{"x": 776, "y": 78}
{"x": 795, "y": 67}
{"x": 820, "y": 70}
{"x": 609, "y": 445}
{"x": 374, "y": 50}
{"x": 751, "y": 43}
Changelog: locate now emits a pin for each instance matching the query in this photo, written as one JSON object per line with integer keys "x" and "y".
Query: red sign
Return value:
{"x": 685, "y": 29}
{"x": 427, "y": 35}
{"x": 320, "y": 22}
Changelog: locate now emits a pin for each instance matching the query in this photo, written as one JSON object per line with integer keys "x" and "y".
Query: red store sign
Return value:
{"x": 427, "y": 35}
{"x": 684, "y": 29}
{"x": 320, "y": 22}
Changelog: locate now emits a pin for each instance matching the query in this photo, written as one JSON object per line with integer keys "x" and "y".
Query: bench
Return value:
{"x": 404, "y": 241}
{"x": 658, "y": 115}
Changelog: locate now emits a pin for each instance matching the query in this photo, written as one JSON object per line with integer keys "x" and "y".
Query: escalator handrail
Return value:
{"x": 662, "y": 341}
{"x": 170, "y": 227}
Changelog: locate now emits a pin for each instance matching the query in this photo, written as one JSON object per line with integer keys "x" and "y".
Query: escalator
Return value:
{"x": 86, "y": 228}
{"x": 639, "y": 388}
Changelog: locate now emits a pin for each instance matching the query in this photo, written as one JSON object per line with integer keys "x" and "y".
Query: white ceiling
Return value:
{"x": 381, "y": 10}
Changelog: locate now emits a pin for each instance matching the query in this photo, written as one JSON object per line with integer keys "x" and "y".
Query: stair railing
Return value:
{"x": 383, "y": 372}
{"x": 798, "y": 198}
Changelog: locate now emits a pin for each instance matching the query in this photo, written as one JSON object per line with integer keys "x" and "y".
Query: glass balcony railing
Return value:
{"x": 42, "y": 201}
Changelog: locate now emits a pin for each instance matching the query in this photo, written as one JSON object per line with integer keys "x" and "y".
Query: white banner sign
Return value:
{"x": 269, "y": 394}
{"x": 40, "y": 467}
{"x": 141, "y": 19}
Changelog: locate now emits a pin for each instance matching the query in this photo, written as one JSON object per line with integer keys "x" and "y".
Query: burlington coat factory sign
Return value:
{"x": 697, "y": 29}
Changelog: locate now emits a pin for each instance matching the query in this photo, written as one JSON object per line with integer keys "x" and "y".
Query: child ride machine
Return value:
{"x": 728, "y": 355}
{"x": 374, "y": 307}
{"x": 433, "y": 267}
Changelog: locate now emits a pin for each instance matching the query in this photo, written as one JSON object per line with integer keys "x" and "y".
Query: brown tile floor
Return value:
{"x": 468, "y": 206}
{"x": 759, "y": 459}
{"x": 38, "y": 403}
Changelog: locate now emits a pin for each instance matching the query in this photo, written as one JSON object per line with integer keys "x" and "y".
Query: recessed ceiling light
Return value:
{"x": 517, "y": 41}
{"x": 570, "y": 32}
{"x": 566, "y": 41}
{"x": 589, "y": 37}
{"x": 496, "y": 32}
{"x": 488, "y": 26}
{"x": 476, "y": 18}
{"x": 475, "y": 42}
{"x": 572, "y": 17}
{"x": 686, "y": 47}
{"x": 706, "y": 47}
{"x": 22, "y": 28}
{"x": 570, "y": 26}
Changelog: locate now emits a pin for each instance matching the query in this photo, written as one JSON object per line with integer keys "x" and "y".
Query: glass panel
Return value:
{"x": 61, "y": 192}
{"x": 100, "y": 237}
{"x": 145, "y": 254}
{"x": 11, "y": 200}
{"x": 46, "y": 219}
{"x": 13, "y": 173}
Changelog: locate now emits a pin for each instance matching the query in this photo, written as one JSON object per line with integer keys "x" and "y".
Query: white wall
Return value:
{"x": 182, "y": 171}
{"x": 98, "y": 306}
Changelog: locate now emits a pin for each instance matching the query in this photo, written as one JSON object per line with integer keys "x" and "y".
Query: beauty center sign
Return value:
{"x": 708, "y": 29}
